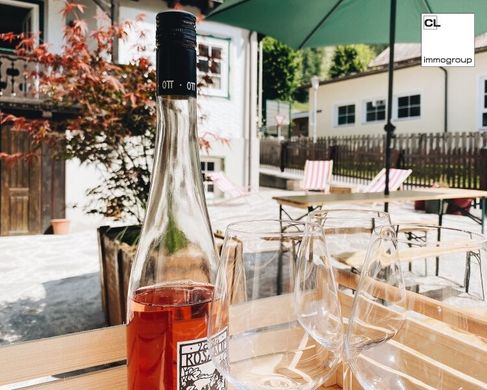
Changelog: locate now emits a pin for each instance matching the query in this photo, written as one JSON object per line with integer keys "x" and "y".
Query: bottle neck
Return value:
{"x": 177, "y": 164}
{"x": 177, "y": 196}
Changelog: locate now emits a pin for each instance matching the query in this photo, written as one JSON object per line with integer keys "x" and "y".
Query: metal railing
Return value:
{"x": 18, "y": 78}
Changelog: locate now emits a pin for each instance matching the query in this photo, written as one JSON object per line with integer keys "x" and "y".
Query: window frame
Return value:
{"x": 218, "y": 163}
{"x": 482, "y": 94}
{"x": 335, "y": 116}
{"x": 364, "y": 109}
{"x": 37, "y": 16}
{"x": 396, "y": 106}
{"x": 224, "y": 44}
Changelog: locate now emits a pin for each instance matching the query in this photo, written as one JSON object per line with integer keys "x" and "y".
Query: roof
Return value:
{"x": 402, "y": 52}
{"x": 409, "y": 51}
{"x": 406, "y": 55}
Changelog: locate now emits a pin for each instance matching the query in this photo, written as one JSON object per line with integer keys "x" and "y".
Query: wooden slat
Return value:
{"x": 110, "y": 379}
{"x": 116, "y": 379}
{"x": 35, "y": 359}
{"x": 429, "y": 307}
{"x": 305, "y": 201}
{"x": 356, "y": 259}
{"x": 458, "y": 357}
{"x": 432, "y": 356}
{"x": 427, "y": 370}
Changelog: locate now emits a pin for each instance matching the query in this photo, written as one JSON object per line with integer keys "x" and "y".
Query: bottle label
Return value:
{"x": 196, "y": 370}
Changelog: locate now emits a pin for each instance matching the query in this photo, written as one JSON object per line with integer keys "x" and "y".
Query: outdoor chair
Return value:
{"x": 397, "y": 177}
{"x": 225, "y": 185}
{"x": 317, "y": 175}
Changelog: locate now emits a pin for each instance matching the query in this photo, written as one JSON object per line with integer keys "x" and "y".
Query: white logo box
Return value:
{"x": 448, "y": 39}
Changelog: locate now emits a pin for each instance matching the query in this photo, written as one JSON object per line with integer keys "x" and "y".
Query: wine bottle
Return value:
{"x": 171, "y": 286}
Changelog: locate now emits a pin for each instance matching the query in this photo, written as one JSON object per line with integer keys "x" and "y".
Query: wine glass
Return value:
{"x": 425, "y": 329}
{"x": 347, "y": 235}
{"x": 274, "y": 284}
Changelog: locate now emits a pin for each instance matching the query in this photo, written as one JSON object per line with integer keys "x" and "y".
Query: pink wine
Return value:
{"x": 167, "y": 348}
{"x": 175, "y": 266}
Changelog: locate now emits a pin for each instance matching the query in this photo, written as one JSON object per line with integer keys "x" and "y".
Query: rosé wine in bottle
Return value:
{"x": 171, "y": 284}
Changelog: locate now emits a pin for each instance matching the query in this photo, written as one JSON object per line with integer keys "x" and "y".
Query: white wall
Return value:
{"x": 54, "y": 24}
{"x": 79, "y": 179}
{"x": 229, "y": 117}
{"x": 463, "y": 99}
{"x": 225, "y": 116}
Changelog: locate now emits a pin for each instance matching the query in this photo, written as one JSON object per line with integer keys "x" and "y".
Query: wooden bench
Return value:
{"x": 459, "y": 354}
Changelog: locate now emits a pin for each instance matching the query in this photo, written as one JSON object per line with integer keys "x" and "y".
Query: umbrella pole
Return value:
{"x": 389, "y": 127}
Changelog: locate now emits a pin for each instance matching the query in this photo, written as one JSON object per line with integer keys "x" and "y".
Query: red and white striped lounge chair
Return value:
{"x": 224, "y": 184}
{"x": 317, "y": 175}
{"x": 397, "y": 177}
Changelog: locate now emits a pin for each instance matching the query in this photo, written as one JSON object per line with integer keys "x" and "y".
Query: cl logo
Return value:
{"x": 430, "y": 22}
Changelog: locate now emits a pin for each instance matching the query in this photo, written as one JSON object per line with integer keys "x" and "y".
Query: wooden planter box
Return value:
{"x": 117, "y": 247}
{"x": 117, "y": 252}
{"x": 459, "y": 354}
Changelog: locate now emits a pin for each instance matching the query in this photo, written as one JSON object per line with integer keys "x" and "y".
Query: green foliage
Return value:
{"x": 349, "y": 59}
{"x": 281, "y": 67}
{"x": 311, "y": 65}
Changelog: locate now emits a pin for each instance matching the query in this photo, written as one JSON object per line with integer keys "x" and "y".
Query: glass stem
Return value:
{"x": 347, "y": 377}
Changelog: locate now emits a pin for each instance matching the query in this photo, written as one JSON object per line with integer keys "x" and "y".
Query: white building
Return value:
{"x": 426, "y": 99}
{"x": 229, "y": 104}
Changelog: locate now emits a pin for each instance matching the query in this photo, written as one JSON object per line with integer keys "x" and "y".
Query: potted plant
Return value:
{"x": 113, "y": 127}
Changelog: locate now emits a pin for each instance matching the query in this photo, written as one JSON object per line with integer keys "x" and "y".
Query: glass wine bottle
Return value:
{"x": 171, "y": 281}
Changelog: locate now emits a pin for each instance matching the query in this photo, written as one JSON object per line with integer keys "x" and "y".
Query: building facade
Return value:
{"x": 228, "y": 105}
{"x": 426, "y": 99}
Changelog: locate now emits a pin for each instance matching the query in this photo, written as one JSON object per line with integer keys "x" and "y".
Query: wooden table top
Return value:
{"x": 319, "y": 199}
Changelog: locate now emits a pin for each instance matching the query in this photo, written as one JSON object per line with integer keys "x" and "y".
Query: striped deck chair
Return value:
{"x": 317, "y": 175}
{"x": 397, "y": 177}
{"x": 224, "y": 184}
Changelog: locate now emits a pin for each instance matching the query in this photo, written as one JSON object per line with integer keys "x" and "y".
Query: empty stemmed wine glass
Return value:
{"x": 275, "y": 309}
{"x": 347, "y": 234}
{"x": 427, "y": 329}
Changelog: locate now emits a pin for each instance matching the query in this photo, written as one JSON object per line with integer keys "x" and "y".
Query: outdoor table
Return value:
{"x": 459, "y": 355}
{"x": 312, "y": 201}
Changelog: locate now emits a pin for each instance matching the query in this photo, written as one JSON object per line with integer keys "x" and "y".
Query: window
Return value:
{"x": 483, "y": 103}
{"x": 18, "y": 17}
{"x": 409, "y": 106}
{"x": 210, "y": 165}
{"x": 346, "y": 115}
{"x": 375, "y": 111}
{"x": 213, "y": 65}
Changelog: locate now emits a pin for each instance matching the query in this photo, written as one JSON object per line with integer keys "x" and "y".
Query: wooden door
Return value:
{"x": 20, "y": 188}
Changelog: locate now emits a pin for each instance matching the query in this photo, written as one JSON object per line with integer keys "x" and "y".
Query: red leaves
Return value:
{"x": 9, "y": 37}
{"x": 80, "y": 26}
{"x": 11, "y": 159}
{"x": 205, "y": 143}
{"x": 71, "y": 7}
{"x": 7, "y": 118}
{"x": 113, "y": 82}
{"x": 131, "y": 98}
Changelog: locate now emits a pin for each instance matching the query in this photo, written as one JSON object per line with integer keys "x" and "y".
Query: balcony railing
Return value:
{"x": 17, "y": 79}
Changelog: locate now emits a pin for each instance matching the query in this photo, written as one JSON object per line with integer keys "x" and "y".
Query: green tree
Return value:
{"x": 311, "y": 65}
{"x": 348, "y": 59}
{"x": 281, "y": 70}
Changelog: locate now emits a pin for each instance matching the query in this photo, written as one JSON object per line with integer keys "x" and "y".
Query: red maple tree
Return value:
{"x": 112, "y": 106}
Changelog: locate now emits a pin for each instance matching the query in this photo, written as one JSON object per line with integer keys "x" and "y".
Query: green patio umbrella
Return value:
{"x": 314, "y": 23}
